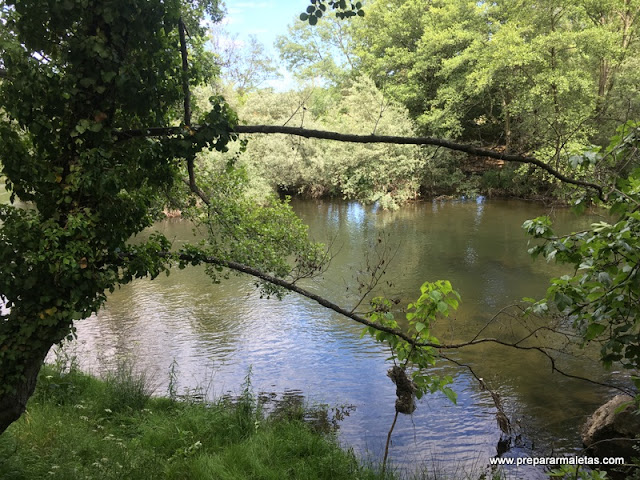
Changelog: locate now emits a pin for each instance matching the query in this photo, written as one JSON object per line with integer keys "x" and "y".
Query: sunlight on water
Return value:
{"x": 216, "y": 332}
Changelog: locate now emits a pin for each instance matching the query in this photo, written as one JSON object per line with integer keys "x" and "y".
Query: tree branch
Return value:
{"x": 345, "y": 137}
{"x": 187, "y": 102}
{"x": 460, "y": 147}
{"x": 501, "y": 416}
{"x": 239, "y": 267}
{"x": 195, "y": 189}
{"x": 185, "y": 73}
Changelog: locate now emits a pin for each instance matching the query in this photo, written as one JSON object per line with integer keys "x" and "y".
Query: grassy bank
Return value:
{"x": 78, "y": 427}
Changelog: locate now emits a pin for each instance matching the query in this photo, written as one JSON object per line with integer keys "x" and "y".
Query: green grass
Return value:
{"x": 79, "y": 427}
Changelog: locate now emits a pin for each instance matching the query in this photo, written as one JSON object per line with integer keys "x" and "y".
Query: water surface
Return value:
{"x": 215, "y": 333}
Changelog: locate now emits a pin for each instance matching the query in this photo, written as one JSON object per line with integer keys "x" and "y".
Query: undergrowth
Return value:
{"x": 80, "y": 427}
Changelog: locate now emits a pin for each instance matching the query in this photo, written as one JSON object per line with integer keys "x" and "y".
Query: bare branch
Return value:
{"x": 363, "y": 321}
{"x": 345, "y": 137}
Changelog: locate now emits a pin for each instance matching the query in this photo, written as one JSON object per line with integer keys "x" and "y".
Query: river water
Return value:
{"x": 213, "y": 334}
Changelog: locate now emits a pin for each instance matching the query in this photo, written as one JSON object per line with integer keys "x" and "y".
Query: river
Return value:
{"x": 213, "y": 334}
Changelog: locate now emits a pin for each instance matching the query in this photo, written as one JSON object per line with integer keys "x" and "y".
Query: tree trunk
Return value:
{"x": 23, "y": 349}
{"x": 13, "y": 404}
{"x": 604, "y": 77}
{"x": 507, "y": 123}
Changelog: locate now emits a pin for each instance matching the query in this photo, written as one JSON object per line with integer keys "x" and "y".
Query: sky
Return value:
{"x": 266, "y": 19}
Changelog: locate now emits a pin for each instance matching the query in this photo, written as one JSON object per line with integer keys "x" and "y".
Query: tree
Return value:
{"x": 245, "y": 67}
{"x": 387, "y": 173}
{"x": 72, "y": 80}
{"x": 324, "y": 52}
{"x": 541, "y": 77}
{"x": 601, "y": 298}
{"x": 84, "y": 89}
{"x": 76, "y": 80}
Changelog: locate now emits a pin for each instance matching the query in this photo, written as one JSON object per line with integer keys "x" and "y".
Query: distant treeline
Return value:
{"x": 546, "y": 78}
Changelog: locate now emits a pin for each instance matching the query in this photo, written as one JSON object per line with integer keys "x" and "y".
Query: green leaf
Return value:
{"x": 451, "y": 395}
{"x": 594, "y": 330}
{"x": 435, "y": 295}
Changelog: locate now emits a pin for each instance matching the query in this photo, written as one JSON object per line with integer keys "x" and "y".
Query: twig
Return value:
{"x": 300, "y": 105}
{"x": 386, "y": 447}
{"x": 500, "y": 414}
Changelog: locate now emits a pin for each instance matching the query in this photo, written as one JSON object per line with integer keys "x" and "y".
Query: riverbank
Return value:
{"x": 79, "y": 427}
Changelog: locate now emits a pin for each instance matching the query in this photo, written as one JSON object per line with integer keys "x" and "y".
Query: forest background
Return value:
{"x": 544, "y": 79}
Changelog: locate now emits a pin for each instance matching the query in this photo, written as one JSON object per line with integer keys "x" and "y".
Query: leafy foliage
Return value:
{"x": 601, "y": 297}
{"x": 76, "y": 83}
{"x": 247, "y": 68}
{"x": 437, "y": 299}
{"x": 389, "y": 174}
{"x": 324, "y": 52}
{"x": 342, "y": 8}
{"x": 539, "y": 77}
{"x": 265, "y": 234}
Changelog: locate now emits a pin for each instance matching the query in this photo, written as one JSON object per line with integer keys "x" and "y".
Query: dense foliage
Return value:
{"x": 390, "y": 174}
{"x": 547, "y": 78}
{"x": 601, "y": 298}
{"x": 81, "y": 85}
{"x": 543, "y": 76}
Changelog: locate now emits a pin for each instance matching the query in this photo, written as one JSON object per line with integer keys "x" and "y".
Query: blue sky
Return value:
{"x": 266, "y": 19}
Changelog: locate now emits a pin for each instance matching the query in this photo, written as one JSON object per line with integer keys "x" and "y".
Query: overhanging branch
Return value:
{"x": 346, "y": 137}
{"x": 292, "y": 287}
{"x": 439, "y": 142}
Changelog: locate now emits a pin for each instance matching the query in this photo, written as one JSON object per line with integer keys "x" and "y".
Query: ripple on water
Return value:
{"x": 216, "y": 333}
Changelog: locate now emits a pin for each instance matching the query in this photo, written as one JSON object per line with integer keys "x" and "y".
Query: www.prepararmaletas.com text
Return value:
{"x": 555, "y": 461}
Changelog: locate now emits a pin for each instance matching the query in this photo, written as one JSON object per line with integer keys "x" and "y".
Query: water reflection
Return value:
{"x": 216, "y": 333}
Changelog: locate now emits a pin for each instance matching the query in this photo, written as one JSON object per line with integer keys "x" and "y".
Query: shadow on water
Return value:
{"x": 215, "y": 332}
